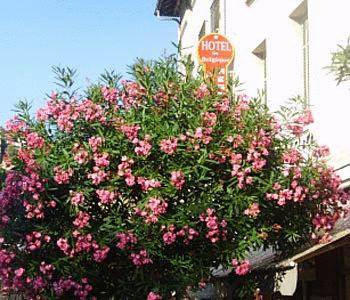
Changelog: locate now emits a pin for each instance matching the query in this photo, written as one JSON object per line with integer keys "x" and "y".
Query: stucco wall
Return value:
{"x": 247, "y": 26}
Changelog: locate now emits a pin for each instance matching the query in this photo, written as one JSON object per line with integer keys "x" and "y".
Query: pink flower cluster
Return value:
{"x": 77, "y": 198}
{"x": 209, "y": 119}
{"x": 97, "y": 176}
{"x": 291, "y": 157}
{"x": 83, "y": 243}
{"x": 125, "y": 239}
{"x": 133, "y": 94}
{"x": 241, "y": 106}
{"x": 148, "y": 184}
{"x": 15, "y": 125}
{"x": 236, "y": 141}
{"x": 154, "y": 296}
{"x": 124, "y": 170}
{"x": 34, "y": 141}
{"x": 202, "y": 91}
{"x": 202, "y": 135}
{"x": 82, "y": 220}
{"x": 186, "y": 233}
{"x": 143, "y": 147}
{"x": 222, "y": 106}
{"x": 297, "y": 125}
{"x": 241, "y": 174}
{"x": 168, "y": 146}
{"x": 154, "y": 208}
{"x": 130, "y": 131}
{"x": 110, "y": 94}
{"x": 253, "y": 210}
{"x": 242, "y": 267}
{"x": 34, "y": 240}
{"x": 62, "y": 176}
{"x": 95, "y": 143}
{"x": 177, "y": 179}
{"x": 216, "y": 229}
{"x": 80, "y": 290}
{"x": 161, "y": 98}
{"x": 92, "y": 111}
{"x": 305, "y": 119}
{"x": 296, "y": 193}
{"x": 322, "y": 151}
{"x": 101, "y": 160}
{"x": 101, "y": 254}
{"x": 46, "y": 269}
{"x": 106, "y": 197}
{"x": 81, "y": 156}
{"x": 141, "y": 258}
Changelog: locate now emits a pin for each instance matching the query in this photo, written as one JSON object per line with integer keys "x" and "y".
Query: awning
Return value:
{"x": 339, "y": 239}
{"x": 287, "y": 280}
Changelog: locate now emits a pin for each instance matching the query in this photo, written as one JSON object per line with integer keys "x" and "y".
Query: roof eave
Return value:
{"x": 167, "y": 8}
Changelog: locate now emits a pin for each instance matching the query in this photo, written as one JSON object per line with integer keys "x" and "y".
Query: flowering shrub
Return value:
{"x": 138, "y": 189}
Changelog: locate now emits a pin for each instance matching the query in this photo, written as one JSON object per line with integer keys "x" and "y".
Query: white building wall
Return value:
{"x": 247, "y": 26}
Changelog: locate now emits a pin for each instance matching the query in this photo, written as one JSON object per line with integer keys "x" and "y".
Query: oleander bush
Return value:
{"x": 138, "y": 189}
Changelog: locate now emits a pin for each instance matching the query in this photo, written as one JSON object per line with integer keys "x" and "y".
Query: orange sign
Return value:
{"x": 215, "y": 53}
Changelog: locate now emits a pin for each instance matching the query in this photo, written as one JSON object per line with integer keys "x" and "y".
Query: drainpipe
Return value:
{"x": 225, "y": 19}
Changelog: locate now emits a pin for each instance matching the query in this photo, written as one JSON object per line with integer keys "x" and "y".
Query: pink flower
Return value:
{"x": 209, "y": 119}
{"x": 62, "y": 176}
{"x": 101, "y": 254}
{"x": 141, "y": 258}
{"x": 101, "y": 160}
{"x": 157, "y": 206}
{"x": 322, "y": 151}
{"x": 63, "y": 245}
{"x": 95, "y": 142}
{"x": 34, "y": 140}
{"x": 253, "y": 210}
{"x": 216, "y": 228}
{"x": 223, "y": 106}
{"x": 109, "y": 94}
{"x": 169, "y": 238}
{"x": 77, "y": 198}
{"x": 19, "y": 272}
{"x": 168, "y": 146}
{"x": 297, "y": 130}
{"x": 106, "y": 197}
{"x": 305, "y": 119}
{"x": 131, "y": 131}
{"x": 143, "y": 148}
{"x": 241, "y": 268}
{"x": 148, "y": 184}
{"x": 98, "y": 176}
{"x": 202, "y": 91}
{"x": 291, "y": 157}
{"x": 81, "y": 156}
{"x": 177, "y": 179}
{"x": 154, "y": 296}
{"x": 82, "y": 220}
{"x": 125, "y": 239}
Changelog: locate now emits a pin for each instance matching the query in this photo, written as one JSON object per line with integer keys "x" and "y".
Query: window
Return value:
{"x": 300, "y": 15}
{"x": 260, "y": 53}
{"x": 203, "y": 30}
{"x": 215, "y": 16}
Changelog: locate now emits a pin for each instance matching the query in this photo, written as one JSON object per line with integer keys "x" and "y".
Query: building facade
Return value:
{"x": 283, "y": 48}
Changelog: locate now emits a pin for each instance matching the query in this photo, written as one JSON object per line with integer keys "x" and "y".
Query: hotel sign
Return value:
{"x": 215, "y": 53}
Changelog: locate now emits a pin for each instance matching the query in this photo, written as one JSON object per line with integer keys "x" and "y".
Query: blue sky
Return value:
{"x": 88, "y": 35}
